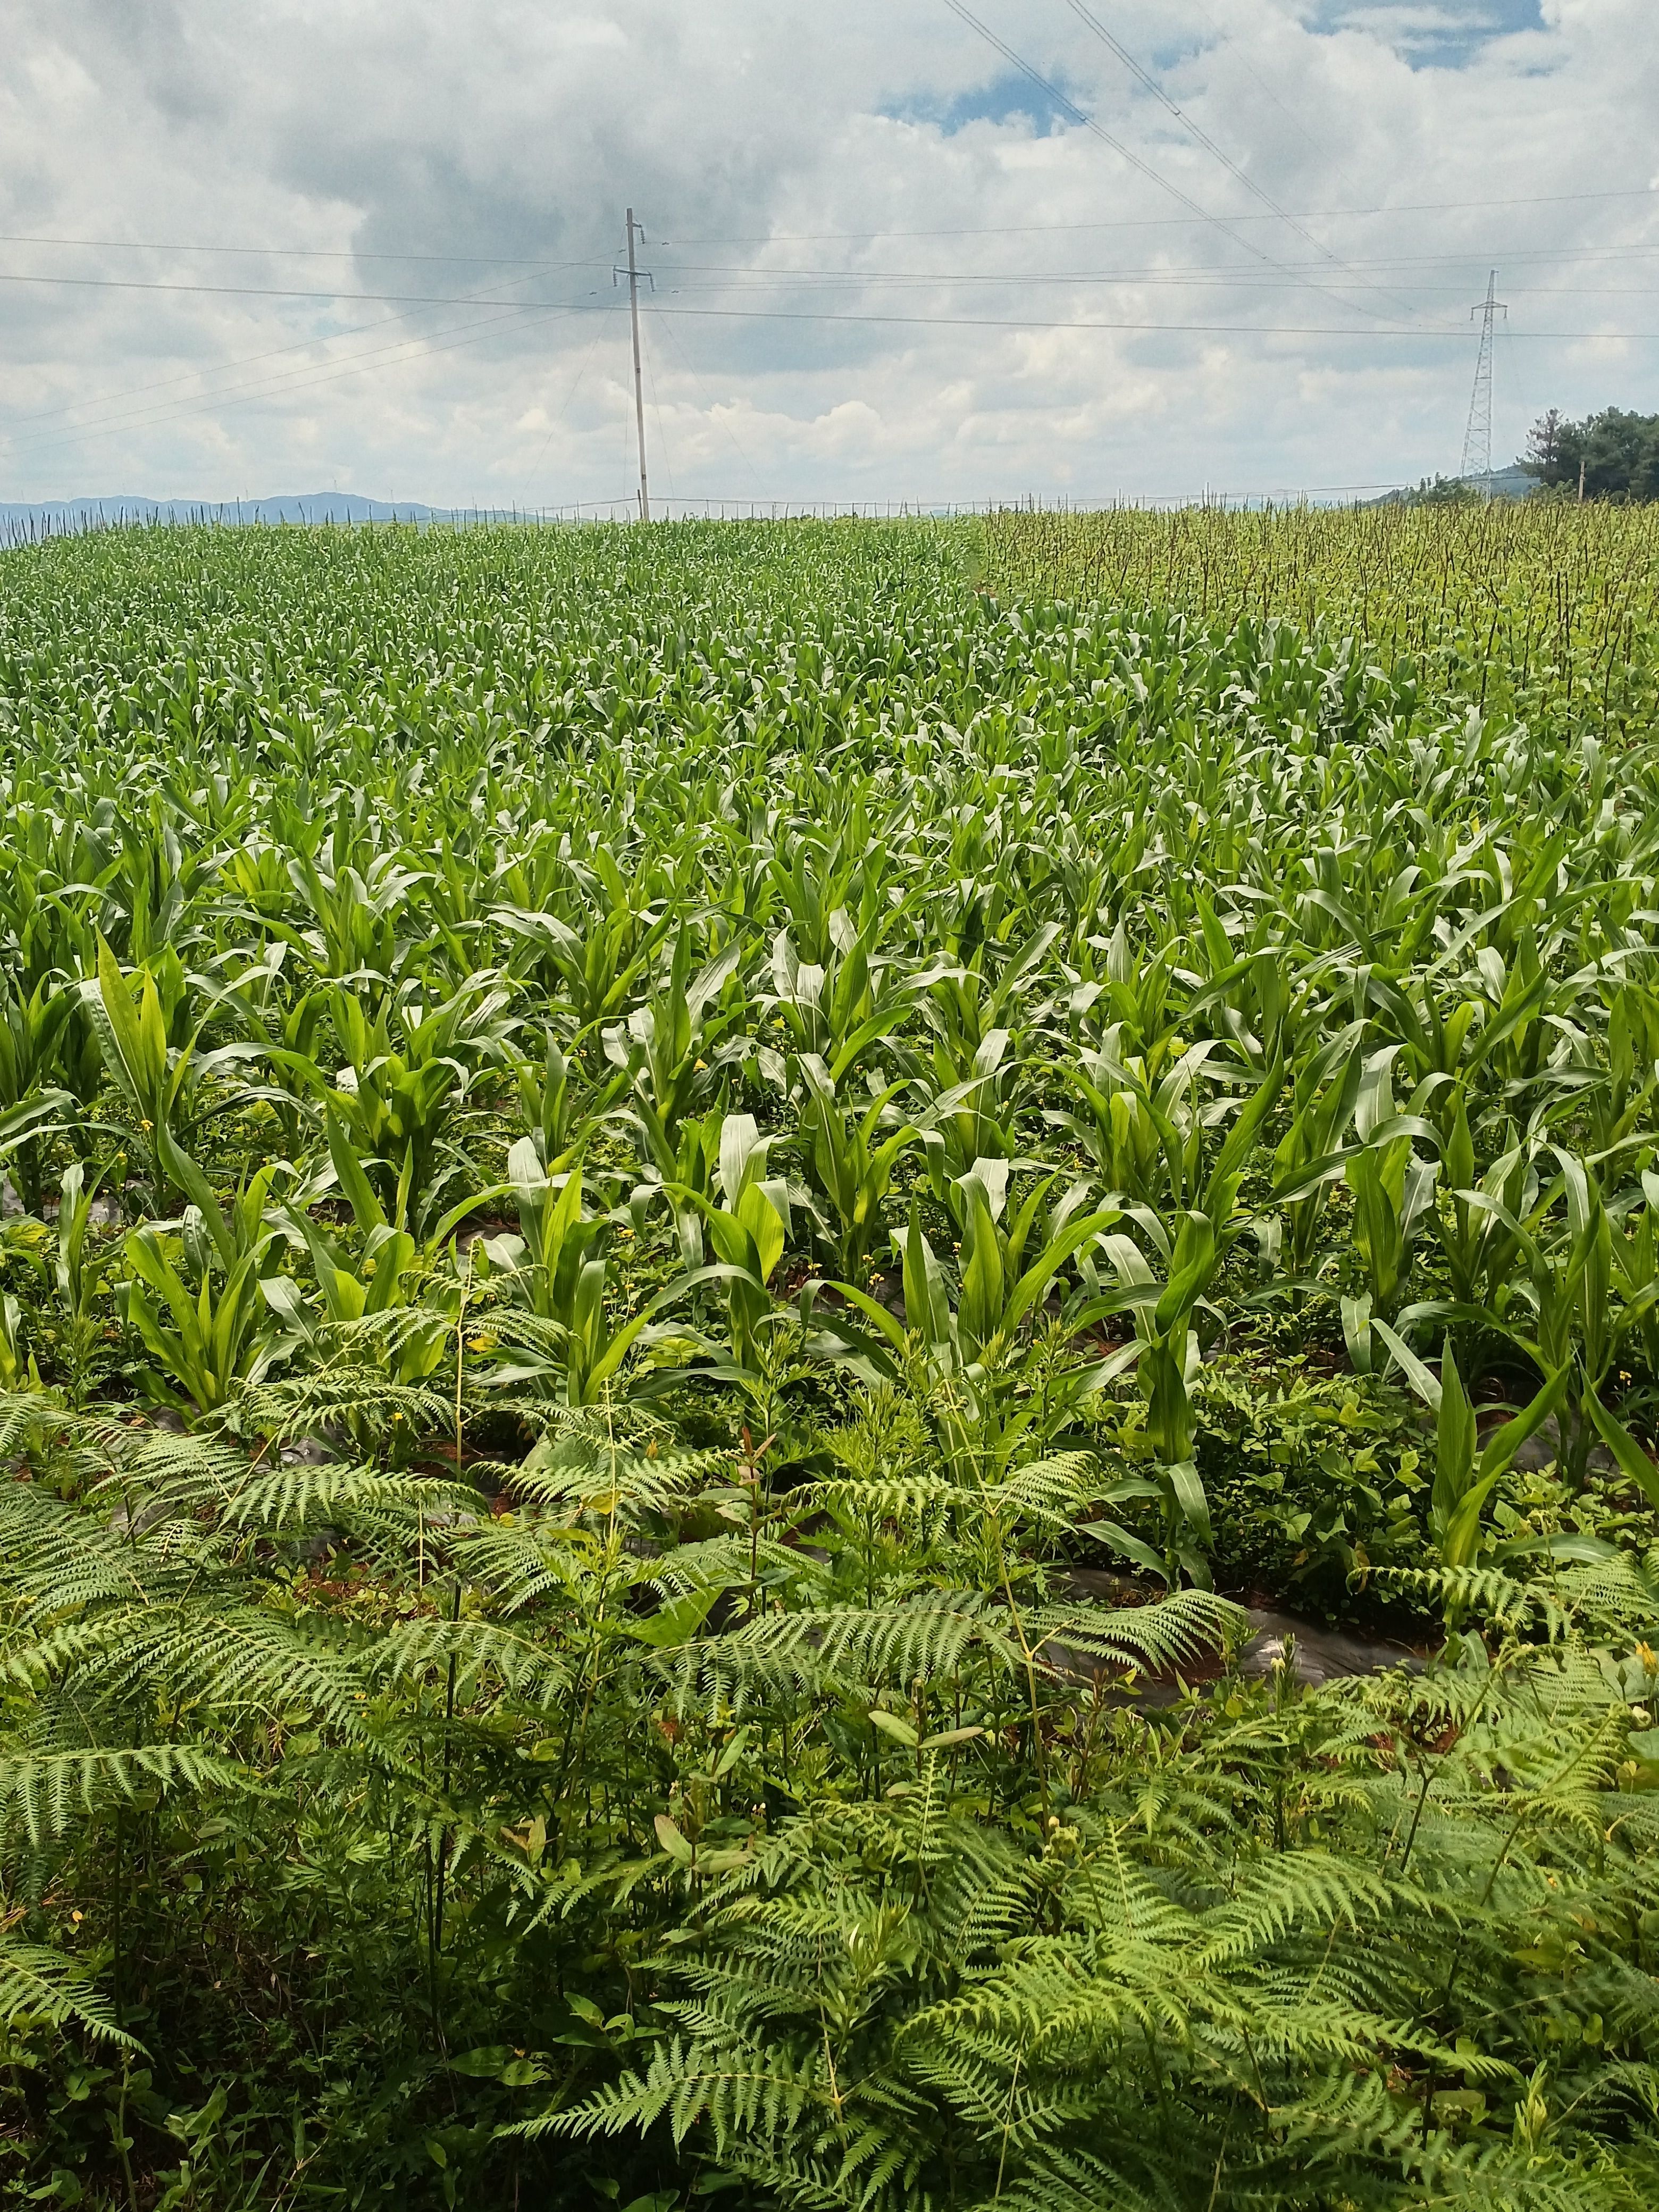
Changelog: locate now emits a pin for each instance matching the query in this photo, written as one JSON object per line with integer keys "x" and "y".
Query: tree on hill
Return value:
{"x": 1617, "y": 451}
{"x": 1443, "y": 491}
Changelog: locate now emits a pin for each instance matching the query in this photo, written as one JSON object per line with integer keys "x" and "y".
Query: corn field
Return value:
{"x": 1547, "y": 612}
{"x": 695, "y": 1221}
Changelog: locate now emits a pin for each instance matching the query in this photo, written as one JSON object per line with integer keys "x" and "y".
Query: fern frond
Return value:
{"x": 282, "y": 1501}
{"x": 1306, "y": 1889}
{"x": 39, "y": 1984}
{"x": 295, "y": 1408}
{"x": 57, "y": 1559}
{"x": 1062, "y": 2179}
{"x": 484, "y": 1654}
{"x": 27, "y": 1417}
{"x": 1184, "y": 1627}
{"x": 47, "y": 1794}
{"x": 586, "y": 1473}
{"x": 931, "y": 1634}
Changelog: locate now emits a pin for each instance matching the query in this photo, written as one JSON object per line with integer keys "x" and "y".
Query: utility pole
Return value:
{"x": 1477, "y": 436}
{"x": 639, "y": 389}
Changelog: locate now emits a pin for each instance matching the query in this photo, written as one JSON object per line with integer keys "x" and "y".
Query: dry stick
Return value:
{"x": 1038, "y": 1755}
{"x": 1008, "y": 2122}
{"x": 590, "y": 1656}
{"x": 1519, "y": 1822}
{"x": 121, "y": 2137}
{"x": 1038, "y": 1752}
{"x": 441, "y": 1882}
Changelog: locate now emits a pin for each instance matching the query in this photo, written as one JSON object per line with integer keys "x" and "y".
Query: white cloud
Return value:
{"x": 895, "y": 334}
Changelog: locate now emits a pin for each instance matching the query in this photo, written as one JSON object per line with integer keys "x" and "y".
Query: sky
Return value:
{"x": 930, "y": 251}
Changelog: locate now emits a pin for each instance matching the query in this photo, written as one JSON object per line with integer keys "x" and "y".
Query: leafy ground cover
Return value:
{"x": 638, "y": 1164}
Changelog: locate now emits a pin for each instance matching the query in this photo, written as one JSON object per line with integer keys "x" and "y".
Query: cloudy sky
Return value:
{"x": 907, "y": 249}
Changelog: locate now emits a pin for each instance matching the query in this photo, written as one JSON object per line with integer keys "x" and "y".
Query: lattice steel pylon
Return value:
{"x": 1477, "y": 436}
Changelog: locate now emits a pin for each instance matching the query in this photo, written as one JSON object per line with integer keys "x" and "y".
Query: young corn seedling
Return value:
{"x": 747, "y": 1230}
{"x": 196, "y": 1301}
{"x": 556, "y": 1273}
{"x": 852, "y": 1153}
{"x": 1466, "y": 1472}
{"x": 398, "y": 1109}
{"x": 34, "y": 1032}
{"x": 592, "y": 959}
{"x": 664, "y": 1050}
{"x": 1311, "y": 1156}
{"x": 977, "y": 1361}
{"x": 161, "y": 1082}
{"x": 560, "y": 1122}
{"x": 1392, "y": 1190}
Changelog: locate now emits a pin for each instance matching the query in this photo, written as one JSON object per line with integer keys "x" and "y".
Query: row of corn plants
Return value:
{"x": 1536, "y": 609}
{"x": 683, "y": 1209}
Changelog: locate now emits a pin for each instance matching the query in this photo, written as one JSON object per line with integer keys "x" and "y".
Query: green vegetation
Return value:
{"x": 685, "y": 1208}
{"x": 1613, "y": 455}
{"x": 1520, "y": 609}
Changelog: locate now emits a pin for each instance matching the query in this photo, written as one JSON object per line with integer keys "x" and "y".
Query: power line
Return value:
{"x": 1297, "y": 272}
{"x": 469, "y": 300}
{"x": 765, "y": 238}
{"x": 303, "y": 253}
{"x": 1162, "y": 222}
{"x": 1191, "y": 277}
{"x": 210, "y": 402}
{"x": 1133, "y": 326}
{"x": 1197, "y": 330}
{"x": 261, "y": 291}
{"x": 1070, "y": 108}
{"x": 241, "y": 360}
{"x": 328, "y": 371}
{"x": 1086, "y": 15}
{"x": 1261, "y": 81}
{"x": 417, "y": 300}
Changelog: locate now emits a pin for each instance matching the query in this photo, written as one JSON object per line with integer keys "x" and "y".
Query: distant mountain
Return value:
{"x": 56, "y": 514}
{"x": 1512, "y": 482}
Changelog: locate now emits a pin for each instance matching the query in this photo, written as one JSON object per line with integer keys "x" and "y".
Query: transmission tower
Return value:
{"x": 635, "y": 274}
{"x": 1477, "y": 437}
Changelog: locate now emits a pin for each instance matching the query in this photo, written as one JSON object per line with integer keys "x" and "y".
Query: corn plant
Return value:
{"x": 161, "y": 1081}
{"x": 555, "y": 1270}
{"x": 398, "y": 1109}
{"x": 34, "y": 1032}
{"x": 995, "y": 1379}
{"x": 663, "y": 1050}
{"x": 196, "y": 1301}
{"x": 748, "y": 1230}
{"x": 852, "y": 1151}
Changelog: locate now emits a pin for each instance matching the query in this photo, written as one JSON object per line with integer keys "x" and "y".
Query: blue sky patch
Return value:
{"x": 1004, "y": 99}
{"x": 1433, "y": 34}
